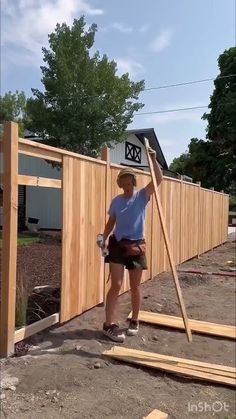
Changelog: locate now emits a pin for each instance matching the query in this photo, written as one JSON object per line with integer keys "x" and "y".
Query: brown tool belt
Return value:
{"x": 133, "y": 247}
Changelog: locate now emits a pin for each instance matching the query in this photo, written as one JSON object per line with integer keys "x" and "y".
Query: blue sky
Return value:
{"x": 161, "y": 41}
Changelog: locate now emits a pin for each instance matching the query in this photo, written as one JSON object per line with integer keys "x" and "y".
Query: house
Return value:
{"x": 44, "y": 204}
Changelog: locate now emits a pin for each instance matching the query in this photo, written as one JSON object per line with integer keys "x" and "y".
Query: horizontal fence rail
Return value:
{"x": 196, "y": 219}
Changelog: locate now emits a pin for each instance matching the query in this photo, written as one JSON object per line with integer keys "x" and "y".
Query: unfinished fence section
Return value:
{"x": 196, "y": 221}
{"x": 84, "y": 198}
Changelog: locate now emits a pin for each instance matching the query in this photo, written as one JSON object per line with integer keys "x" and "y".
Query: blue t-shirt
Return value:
{"x": 129, "y": 213}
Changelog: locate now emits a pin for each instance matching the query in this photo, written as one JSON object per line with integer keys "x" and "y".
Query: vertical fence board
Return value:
{"x": 9, "y": 247}
{"x": 83, "y": 218}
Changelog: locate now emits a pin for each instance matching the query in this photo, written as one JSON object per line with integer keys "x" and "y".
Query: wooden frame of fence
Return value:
{"x": 192, "y": 214}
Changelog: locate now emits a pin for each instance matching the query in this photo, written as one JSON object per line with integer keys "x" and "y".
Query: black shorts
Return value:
{"x": 116, "y": 255}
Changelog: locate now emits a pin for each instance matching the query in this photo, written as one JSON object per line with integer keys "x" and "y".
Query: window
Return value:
{"x": 132, "y": 152}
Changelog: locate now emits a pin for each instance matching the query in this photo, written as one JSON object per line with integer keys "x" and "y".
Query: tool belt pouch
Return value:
{"x": 133, "y": 248}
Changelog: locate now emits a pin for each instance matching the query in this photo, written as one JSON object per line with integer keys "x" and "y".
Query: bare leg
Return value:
{"x": 135, "y": 276}
{"x": 117, "y": 275}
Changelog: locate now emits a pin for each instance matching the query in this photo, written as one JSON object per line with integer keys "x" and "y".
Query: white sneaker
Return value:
{"x": 133, "y": 328}
{"x": 113, "y": 332}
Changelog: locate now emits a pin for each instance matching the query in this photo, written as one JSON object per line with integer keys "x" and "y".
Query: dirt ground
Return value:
{"x": 64, "y": 375}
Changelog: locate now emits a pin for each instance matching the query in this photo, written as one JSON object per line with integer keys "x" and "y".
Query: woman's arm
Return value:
{"x": 109, "y": 226}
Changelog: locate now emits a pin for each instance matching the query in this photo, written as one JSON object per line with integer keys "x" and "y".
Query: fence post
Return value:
{"x": 212, "y": 226}
{"x": 181, "y": 218}
{"x": 105, "y": 155}
{"x": 199, "y": 218}
{"x": 9, "y": 243}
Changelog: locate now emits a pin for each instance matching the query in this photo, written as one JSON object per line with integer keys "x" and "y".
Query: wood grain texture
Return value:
{"x": 36, "y": 327}
{"x": 156, "y": 414}
{"x": 196, "y": 325}
{"x": 83, "y": 218}
{"x": 183, "y": 366}
{"x": 9, "y": 245}
{"x": 39, "y": 181}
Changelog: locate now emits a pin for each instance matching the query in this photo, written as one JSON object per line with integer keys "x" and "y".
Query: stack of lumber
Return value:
{"x": 191, "y": 368}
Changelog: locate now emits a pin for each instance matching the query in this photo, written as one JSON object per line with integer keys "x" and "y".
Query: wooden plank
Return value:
{"x": 39, "y": 181}
{"x": 66, "y": 238}
{"x": 172, "y": 360}
{"x": 105, "y": 155}
{"x": 156, "y": 414}
{"x": 213, "y": 371}
{"x": 165, "y": 363}
{"x": 9, "y": 245}
{"x": 36, "y": 151}
{"x": 168, "y": 246}
{"x": 36, "y": 327}
{"x": 196, "y": 325}
{"x": 53, "y": 153}
{"x": 82, "y": 285}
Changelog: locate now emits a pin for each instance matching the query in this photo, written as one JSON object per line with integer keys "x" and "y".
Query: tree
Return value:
{"x": 197, "y": 162}
{"x": 85, "y": 104}
{"x": 13, "y": 108}
{"x": 213, "y": 162}
{"x": 221, "y": 129}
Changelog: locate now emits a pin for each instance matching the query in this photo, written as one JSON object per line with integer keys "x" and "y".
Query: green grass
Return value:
{"x": 23, "y": 239}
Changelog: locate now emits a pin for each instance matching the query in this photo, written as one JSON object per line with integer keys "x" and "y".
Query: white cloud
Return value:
{"x": 116, "y": 26}
{"x": 27, "y": 23}
{"x": 127, "y": 65}
{"x": 162, "y": 40}
{"x": 121, "y": 28}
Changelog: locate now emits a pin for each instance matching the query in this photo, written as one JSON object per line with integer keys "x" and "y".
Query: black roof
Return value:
{"x": 150, "y": 134}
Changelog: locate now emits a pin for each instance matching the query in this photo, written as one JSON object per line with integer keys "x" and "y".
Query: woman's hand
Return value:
{"x": 152, "y": 153}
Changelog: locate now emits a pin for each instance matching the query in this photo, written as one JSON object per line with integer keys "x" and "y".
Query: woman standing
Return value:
{"x": 127, "y": 246}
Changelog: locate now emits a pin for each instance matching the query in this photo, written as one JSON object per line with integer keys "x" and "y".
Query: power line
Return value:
{"x": 166, "y": 86}
{"x": 171, "y": 110}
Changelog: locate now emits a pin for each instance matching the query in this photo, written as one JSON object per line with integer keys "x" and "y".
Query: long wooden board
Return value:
{"x": 172, "y": 360}
{"x": 9, "y": 246}
{"x": 39, "y": 181}
{"x": 36, "y": 327}
{"x": 182, "y": 366}
{"x": 168, "y": 245}
{"x": 156, "y": 414}
{"x": 195, "y": 325}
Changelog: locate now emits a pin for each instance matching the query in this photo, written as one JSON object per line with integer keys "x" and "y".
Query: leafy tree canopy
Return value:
{"x": 85, "y": 104}
{"x": 13, "y": 108}
{"x": 213, "y": 161}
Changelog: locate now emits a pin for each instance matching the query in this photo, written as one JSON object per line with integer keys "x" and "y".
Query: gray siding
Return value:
{"x": 118, "y": 152}
{"x": 42, "y": 203}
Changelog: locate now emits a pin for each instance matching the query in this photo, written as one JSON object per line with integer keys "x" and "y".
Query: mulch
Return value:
{"x": 39, "y": 264}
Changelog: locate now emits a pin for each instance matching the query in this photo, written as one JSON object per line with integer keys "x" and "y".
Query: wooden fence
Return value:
{"x": 196, "y": 222}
